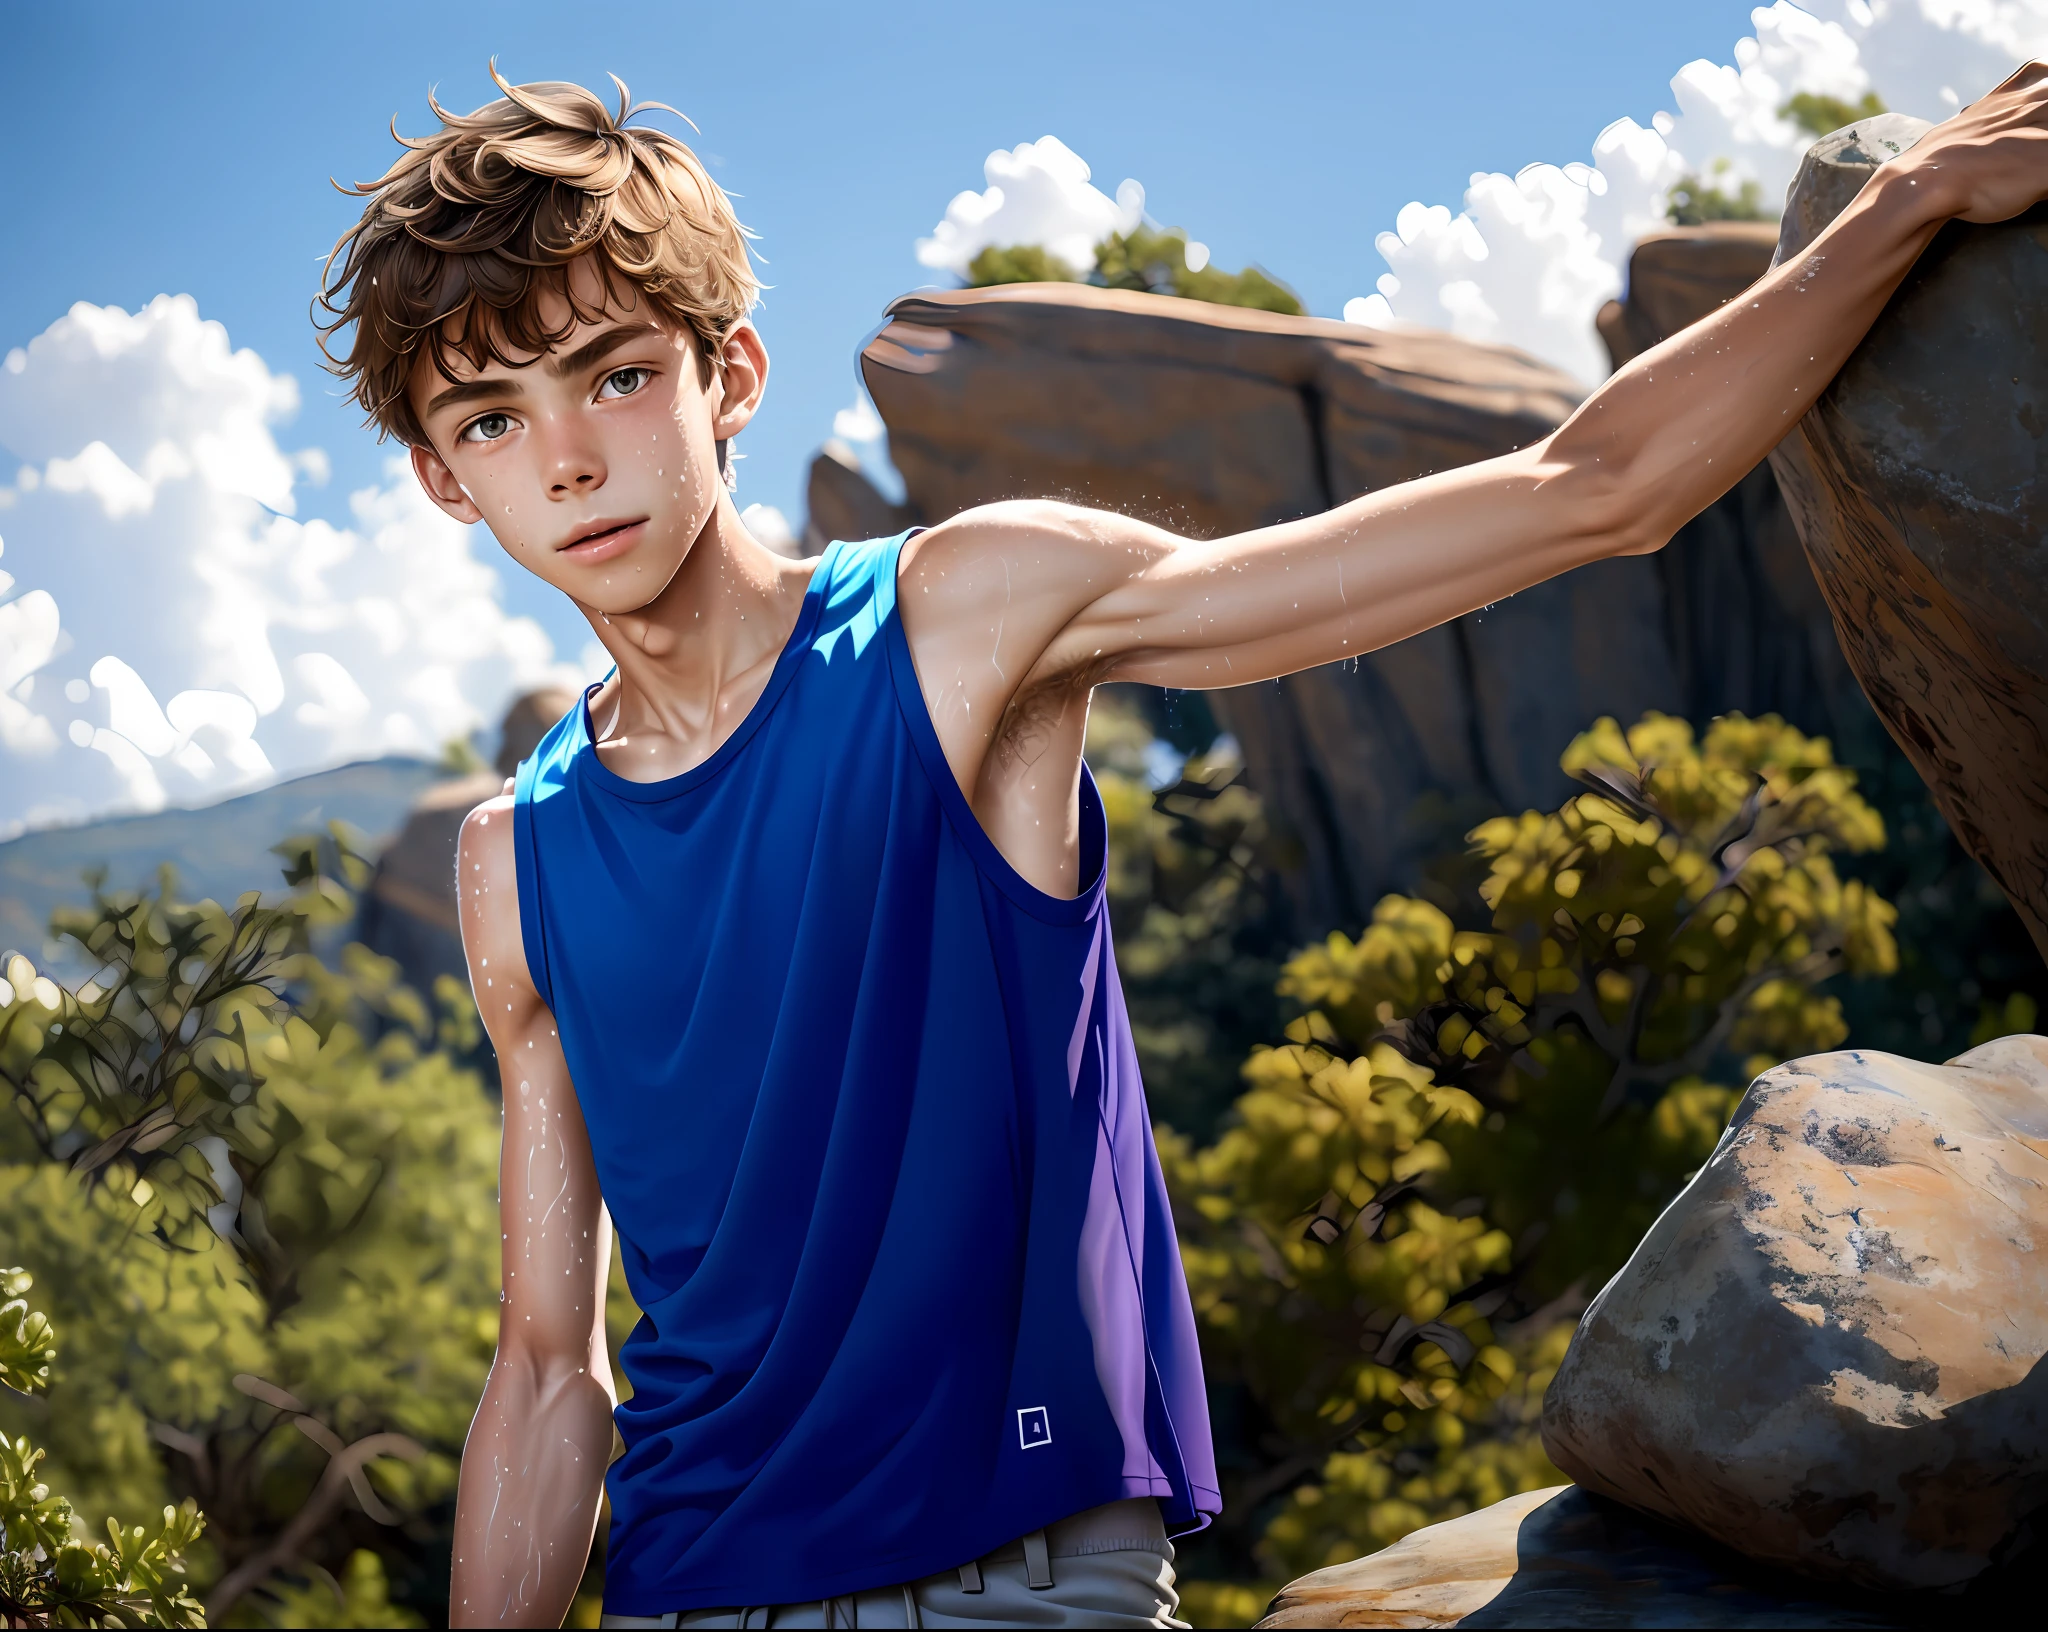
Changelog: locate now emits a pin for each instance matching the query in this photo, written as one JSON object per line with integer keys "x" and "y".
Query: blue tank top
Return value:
{"x": 868, "y": 1121}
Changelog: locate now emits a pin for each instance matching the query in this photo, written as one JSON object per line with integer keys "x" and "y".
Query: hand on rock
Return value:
{"x": 1990, "y": 162}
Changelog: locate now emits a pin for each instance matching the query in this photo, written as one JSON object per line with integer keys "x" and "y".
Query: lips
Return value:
{"x": 603, "y": 540}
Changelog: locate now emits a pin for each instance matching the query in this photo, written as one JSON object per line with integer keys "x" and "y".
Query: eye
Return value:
{"x": 623, "y": 382}
{"x": 486, "y": 428}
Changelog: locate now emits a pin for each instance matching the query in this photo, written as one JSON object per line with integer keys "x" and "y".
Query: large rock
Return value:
{"x": 1555, "y": 1557}
{"x": 408, "y": 912}
{"x": 840, "y": 502}
{"x": 1678, "y": 276}
{"x": 1213, "y": 419}
{"x": 1915, "y": 482}
{"x": 1827, "y": 1354}
{"x": 1207, "y": 419}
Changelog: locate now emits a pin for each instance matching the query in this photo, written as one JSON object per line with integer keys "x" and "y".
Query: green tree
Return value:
{"x": 1150, "y": 259}
{"x": 1696, "y": 200}
{"x": 49, "y": 1575}
{"x": 262, "y": 1190}
{"x": 1820, "y": 116}
{"x": 1017, "y": 263}
{"x": 1465, "y": 1132}
{"x": 1199, "y": 933}
{"x": 1156, "y": 259}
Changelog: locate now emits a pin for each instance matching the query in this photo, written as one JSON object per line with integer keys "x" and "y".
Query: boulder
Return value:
{"x": 1827, "y": 1353}
{"x": 408, "y": 912}
{"x": 840, "y": 502}
{"x": 1207, "y": 419}
{"x": 1915, "y": 484}
{"x": 1556, "y": 1557}
{"x": 1678, "y": 276}
{"x": 1212, "y": 419}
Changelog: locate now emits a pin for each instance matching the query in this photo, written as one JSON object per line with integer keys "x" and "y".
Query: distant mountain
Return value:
{"x": 219, "y": 851}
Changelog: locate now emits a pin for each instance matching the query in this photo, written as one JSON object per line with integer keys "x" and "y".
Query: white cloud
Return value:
{"x": 1039, "y": 194}
{"x": 771, "y": 530}
{"x": 860, "y": 441}
{"x": 174, "y": 634}
{"x": 98, "y": 470}
{"x": 1523, "y": 264}
{"x": 1927, "y": 57}
{"x": 859, "y": 423}
{"x": 28, "y": 637}
{"x": 1531, "y": 258}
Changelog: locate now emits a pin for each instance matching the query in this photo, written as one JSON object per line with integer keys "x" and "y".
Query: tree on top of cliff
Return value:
{"x": 1156, "y": 260}
{"x": 1697, "y": 200}
{"x": 1819, "y": 115}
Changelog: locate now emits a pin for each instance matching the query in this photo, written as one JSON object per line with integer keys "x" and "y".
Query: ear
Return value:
{"x": 442, "y": 487}
{"x": 742, "y": 378}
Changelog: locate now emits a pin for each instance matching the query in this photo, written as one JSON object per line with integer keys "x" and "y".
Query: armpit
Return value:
{"x": 1040, "y": 708}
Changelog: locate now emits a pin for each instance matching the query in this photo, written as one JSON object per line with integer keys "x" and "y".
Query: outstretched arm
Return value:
{"x": 1041, "y": 601}
{"x": 533, "y": 1467}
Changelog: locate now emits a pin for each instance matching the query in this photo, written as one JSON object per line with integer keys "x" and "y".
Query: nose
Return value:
{"x": 572, "y": 459}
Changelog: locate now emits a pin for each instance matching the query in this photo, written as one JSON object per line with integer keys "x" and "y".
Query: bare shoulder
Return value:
{"x": 484, "y": 848}
{"x": 487, "y": 890}
{"x": 986, "y": 592}
{"x": 970, "y": 550}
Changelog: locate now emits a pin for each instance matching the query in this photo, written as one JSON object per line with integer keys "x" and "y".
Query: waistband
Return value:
{"x": 1129, "y": 1526}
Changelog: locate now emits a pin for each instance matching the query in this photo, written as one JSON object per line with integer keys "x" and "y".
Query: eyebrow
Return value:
{"x": 597, "y": 349}
{"x": 592, "y": 351}
{"x": 469, "y": 391}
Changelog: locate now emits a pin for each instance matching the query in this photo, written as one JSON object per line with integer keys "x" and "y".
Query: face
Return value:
{"x": 595, "y": 465}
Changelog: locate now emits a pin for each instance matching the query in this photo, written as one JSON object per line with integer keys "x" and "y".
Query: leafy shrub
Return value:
{"x": 261, "y": 1192}
{"x": 1150, "y": 259}
{"x": 48, "y": 1575}
{"x": 1820, "y": 115}
{"x": 1017, "y": 263}
{"x": 1199, "y": 937}
{"x": 1465, "y": 1132}
{"x": 1696, "y": 200}
{"x": 1155, "y": 259}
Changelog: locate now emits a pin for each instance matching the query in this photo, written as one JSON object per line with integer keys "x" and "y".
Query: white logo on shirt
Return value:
{"x": 1034, "y": 1427}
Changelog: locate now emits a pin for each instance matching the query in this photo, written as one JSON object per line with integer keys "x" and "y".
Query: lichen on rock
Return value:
{"x": 1827, "y": 1353}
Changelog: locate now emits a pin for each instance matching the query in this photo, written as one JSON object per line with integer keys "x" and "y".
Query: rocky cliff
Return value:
{"x": 409, "y": 913}
{"x": 1213, "y": 419}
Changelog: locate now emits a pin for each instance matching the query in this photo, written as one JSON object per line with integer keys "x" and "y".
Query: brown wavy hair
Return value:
{"x": 465, "y": 239}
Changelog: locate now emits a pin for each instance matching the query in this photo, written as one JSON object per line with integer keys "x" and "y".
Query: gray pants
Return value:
{"x": 1109, "y": 1566}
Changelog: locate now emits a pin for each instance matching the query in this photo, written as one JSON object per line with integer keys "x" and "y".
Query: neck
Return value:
{"x": 720, "y": 622}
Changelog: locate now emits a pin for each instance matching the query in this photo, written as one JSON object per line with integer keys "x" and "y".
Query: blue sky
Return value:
{"x": 186, "y": 149}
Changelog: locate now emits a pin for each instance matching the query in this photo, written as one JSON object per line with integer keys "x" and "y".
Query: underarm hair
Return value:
{"x": 1038, "y": 710}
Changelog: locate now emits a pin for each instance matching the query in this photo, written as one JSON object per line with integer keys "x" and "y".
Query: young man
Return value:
{"x": 791, "y": 938}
